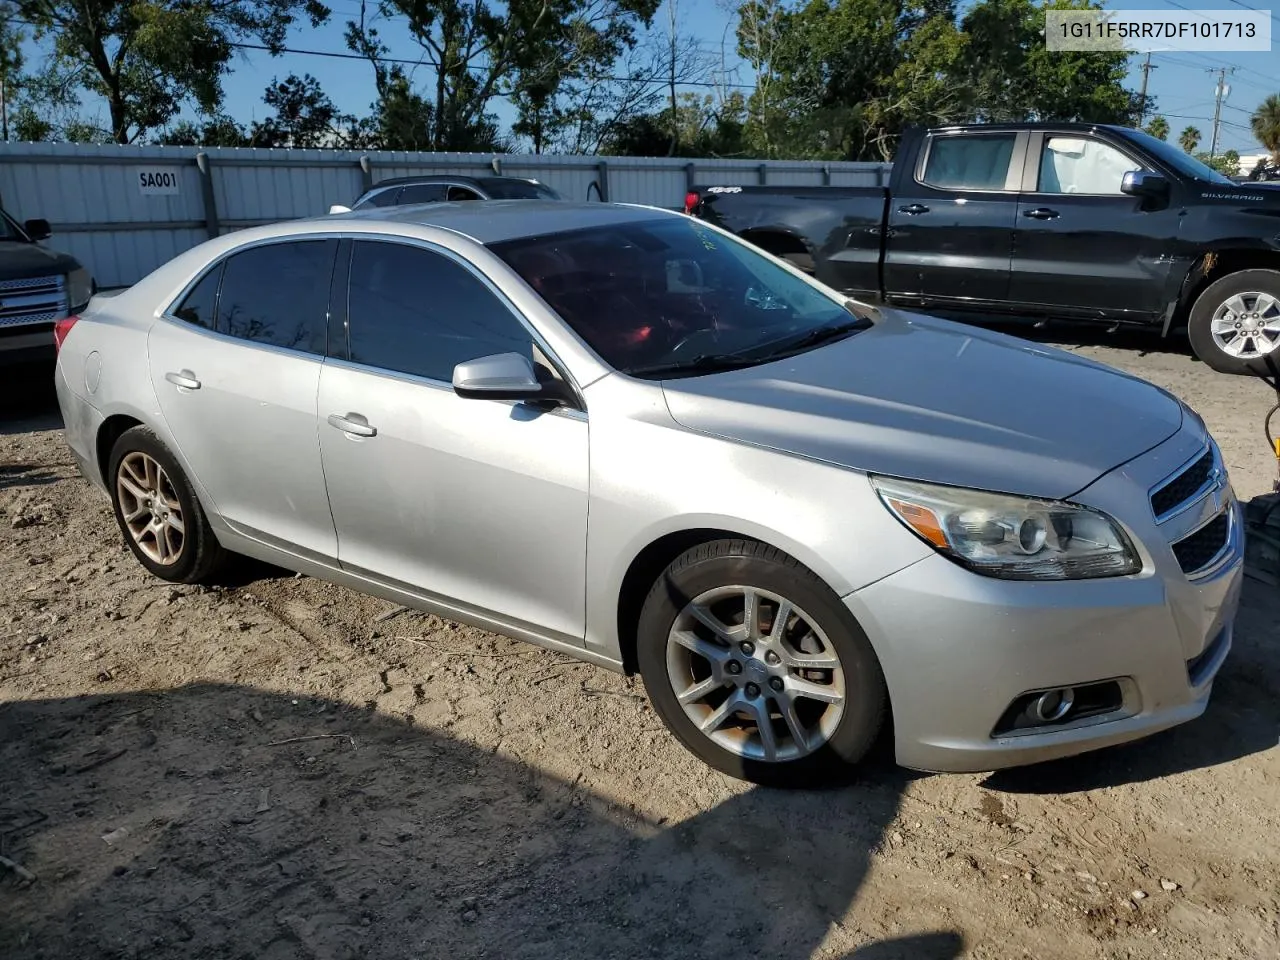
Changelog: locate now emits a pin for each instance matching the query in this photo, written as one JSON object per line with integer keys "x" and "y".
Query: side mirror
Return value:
{"x": 339, "y": 208}
{"x": 1143, "y": 183}
{"x": 38, "y": 230}
{"x": 504, "y": 376}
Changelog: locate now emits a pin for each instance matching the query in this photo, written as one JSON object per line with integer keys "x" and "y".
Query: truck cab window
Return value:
{"x": 1082, "y": 165}
{"x": 973, "y": 162}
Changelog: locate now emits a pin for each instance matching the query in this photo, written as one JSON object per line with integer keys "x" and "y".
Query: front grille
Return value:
{"x": 1182, "y": 487}
{"x": 32, "y": 300}
{"x": 1197, "y": 551}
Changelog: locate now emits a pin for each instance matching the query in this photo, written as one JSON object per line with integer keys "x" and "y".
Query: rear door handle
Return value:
{"x": 1041, "y": 213}
{"x": 913, "y": 209}
{"x": 184, "y": 380}
{"x": 349, "y": 424}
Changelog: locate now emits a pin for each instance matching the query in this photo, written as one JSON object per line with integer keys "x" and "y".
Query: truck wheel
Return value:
{"x": 1234, "y": 325}
{"x": 757, "y": 667}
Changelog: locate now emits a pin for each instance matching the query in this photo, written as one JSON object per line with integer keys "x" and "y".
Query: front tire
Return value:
{"x": 1234, "y": 325}
{"x": 157, "y": 511}
{"x": 757, "y": 667}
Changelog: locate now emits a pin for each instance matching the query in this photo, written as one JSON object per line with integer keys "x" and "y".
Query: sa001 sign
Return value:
{"x": 158, "y": 181}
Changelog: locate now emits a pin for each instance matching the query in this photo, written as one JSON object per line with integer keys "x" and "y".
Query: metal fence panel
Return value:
{"x": 123, "y": 211}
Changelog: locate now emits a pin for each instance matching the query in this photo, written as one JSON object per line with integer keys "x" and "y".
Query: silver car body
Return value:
{"x": 530, "y": 523}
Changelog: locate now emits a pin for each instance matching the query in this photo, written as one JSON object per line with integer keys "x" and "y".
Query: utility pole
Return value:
{"x": 1146, "y": 72}
{"x": 1219, "y": 95}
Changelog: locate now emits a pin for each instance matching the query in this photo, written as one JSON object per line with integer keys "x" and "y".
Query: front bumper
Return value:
{"x": 958, "y": 648}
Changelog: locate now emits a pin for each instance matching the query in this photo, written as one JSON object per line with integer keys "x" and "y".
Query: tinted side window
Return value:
{"x": 422, "y": 193}
{"x": 199, "y": 307}
{"x": 278, "y": 294}
{"x": 462, "y": 193}
{"x": 976, "y": 162}
{"x": 383, "y": 198}
{"x": 417, "y": 312}
{"x": 1080, "y": 165}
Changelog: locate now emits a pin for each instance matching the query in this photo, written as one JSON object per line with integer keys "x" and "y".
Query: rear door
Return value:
{"x": 235, "y": 367}
{"x": 1082, "y": 247}
{"x": 952, "y": 219}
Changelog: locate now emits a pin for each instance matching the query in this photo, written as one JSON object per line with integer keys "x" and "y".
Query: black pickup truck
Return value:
{"x": 1044, "y": 221}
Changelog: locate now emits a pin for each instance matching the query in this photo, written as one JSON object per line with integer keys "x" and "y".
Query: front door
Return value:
{"x": 479, "y": 504}
{"x": 1083, "y": 248}
{"x": 235, "y": 368}
{"x": 951, "y": 221}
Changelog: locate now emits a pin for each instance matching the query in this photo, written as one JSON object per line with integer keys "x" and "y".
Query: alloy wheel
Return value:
{"x": 150, "y": 508}
{"x": 755, "y": 673}
{"x": 1247, "y": 325}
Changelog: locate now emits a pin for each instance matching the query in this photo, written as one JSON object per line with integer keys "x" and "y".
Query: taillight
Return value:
{"x": 60, "y": 330}
{"x": 691, "y": 201}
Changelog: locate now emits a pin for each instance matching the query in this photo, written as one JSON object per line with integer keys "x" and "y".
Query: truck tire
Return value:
{"x": 1234, "y": 325}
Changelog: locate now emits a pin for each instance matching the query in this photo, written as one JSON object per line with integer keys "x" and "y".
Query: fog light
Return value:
{"x": 1052, "y": 705}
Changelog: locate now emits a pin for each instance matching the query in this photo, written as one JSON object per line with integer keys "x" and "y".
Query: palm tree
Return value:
{"x": 1266, "y": 125}
{"x": 1158, "y": 128}
{"x": 1189, "y": 139}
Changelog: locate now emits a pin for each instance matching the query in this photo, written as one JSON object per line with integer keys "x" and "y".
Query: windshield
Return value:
{"x": 507, "y": 188}
{"x": 671, "y": 297}
{"x": 1184, "y": 163}
{"x": 9, "y": 229}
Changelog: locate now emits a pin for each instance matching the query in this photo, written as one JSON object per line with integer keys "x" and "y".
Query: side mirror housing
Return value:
{"x": 339, "y": 208}
{"x": 505, "y": 376}
{"x": 1143, "y": 183}
{"x": 38, "y": 230}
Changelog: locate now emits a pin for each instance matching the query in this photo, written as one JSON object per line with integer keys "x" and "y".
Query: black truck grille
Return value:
{"x": 32, "y": 300}
{"x": 1196, "y": 551}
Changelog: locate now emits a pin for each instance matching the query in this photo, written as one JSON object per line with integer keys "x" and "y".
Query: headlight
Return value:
{"x": 1014, "y": 538}
{"x": 79, "y": 288}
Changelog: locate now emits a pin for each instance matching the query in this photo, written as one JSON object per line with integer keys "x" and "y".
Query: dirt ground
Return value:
{"x": 270, "y": 770}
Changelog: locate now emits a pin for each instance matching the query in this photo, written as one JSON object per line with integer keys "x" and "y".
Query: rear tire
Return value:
{"x": 158, "y": 512}
{"x": 1234, "y": 326}
{"x": 783, "y": 702}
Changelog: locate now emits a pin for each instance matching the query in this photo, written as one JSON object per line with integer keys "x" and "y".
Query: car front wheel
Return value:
{"x": 757, "y": 667}
{"x": 158, "y": 513}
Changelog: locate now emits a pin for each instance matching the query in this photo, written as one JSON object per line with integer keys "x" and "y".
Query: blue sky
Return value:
{"x": 1183, "y": 83}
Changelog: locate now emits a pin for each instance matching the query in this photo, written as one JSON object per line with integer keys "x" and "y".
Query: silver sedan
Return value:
{"x": 625, "y": 435}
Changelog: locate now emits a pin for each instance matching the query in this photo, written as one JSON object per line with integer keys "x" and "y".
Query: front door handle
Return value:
{"x": 913, "y": 209}
{"x": 1041, "y": 213}
{"x": 353, "y": 426}
{"x": 183, "y": 380}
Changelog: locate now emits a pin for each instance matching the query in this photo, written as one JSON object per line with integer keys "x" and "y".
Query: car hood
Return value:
{"x": 925, "y": 399}
{"x": 20, "y": 260}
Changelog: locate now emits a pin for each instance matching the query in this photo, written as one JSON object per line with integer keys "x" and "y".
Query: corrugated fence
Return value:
{"x": 123, "y": 211}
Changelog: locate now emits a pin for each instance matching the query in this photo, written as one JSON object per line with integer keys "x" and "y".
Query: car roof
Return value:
{"x": 454, "y": 177}
{"x": 492, "y": 221}
{"x": 1028, "y": 125}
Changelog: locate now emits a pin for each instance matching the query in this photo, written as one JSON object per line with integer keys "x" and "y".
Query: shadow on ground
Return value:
{"x": 191, "y": 823}
{"x": 27, "y": 399}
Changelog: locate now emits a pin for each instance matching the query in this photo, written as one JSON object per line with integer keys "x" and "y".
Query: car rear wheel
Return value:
{"x": 158, "y": 513}
{"x": 757, "y": 667}
{"x": 1234, "y": 325}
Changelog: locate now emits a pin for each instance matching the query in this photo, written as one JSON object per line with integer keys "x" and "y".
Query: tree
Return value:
{"x": 1009, "y": 74}
{"x": 215, "y": 131}
{"x": 478, "y": 53}
{"x": 304, "y": 116}
{"x": 1265, "y": 124}
{"x": 1158, "y": 127}
{"x": 1189, "y": 139}
{"x": 1227, "y": 163}
{"x": 148, "y": 58}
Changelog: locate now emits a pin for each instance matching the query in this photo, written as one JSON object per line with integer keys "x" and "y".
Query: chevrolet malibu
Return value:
{"x": 625, "y": 435}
